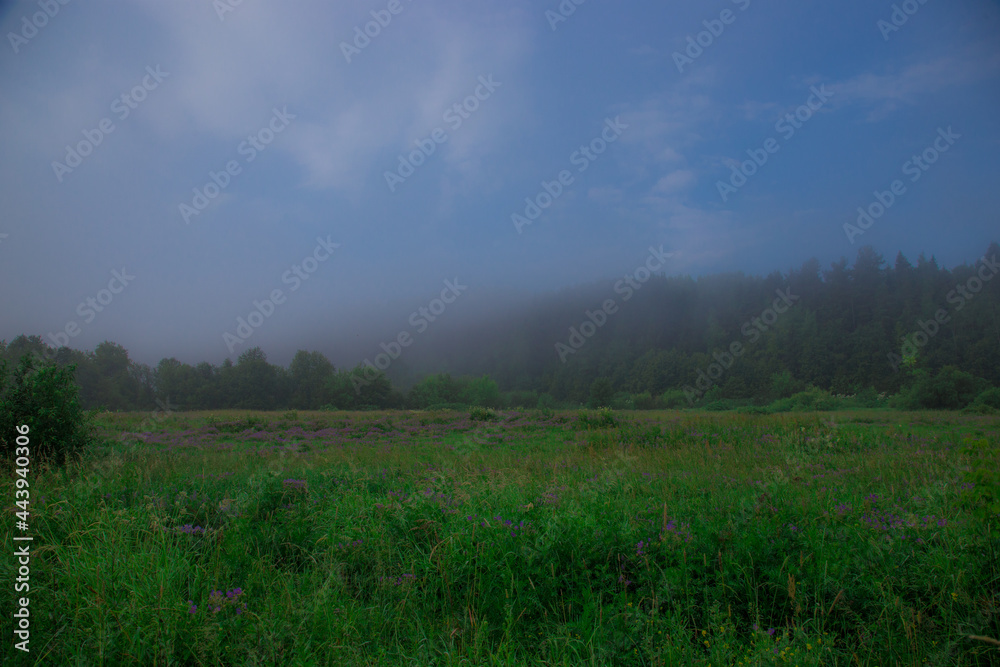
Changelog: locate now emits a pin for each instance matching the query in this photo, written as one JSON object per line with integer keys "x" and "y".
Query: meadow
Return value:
{"x": 519, "y": 538}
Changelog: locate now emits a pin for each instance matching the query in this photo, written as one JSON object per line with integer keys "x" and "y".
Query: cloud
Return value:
{"x": 885, "y": 92}
{"x": 230, "y": 74}
{"x": 675, "y": 181}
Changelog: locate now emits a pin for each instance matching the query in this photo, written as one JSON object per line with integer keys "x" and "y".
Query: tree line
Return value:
{"x": 867, "y": 329}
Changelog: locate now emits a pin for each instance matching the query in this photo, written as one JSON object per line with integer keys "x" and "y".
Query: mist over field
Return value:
{"x": 211, "y": 149}
{"x": 507, "y": 332}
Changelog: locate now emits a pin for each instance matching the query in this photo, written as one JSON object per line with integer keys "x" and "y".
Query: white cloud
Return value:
{"x": 675, "y": 181}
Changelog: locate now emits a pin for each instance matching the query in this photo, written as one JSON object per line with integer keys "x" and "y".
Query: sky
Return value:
{"x": 167, "y": 168}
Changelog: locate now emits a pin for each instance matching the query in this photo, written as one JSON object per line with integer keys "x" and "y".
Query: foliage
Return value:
{"x": 812, "y": 398}
{"x": 601, "y": 393}
{"x": 858, "y": 330}
{"x": 990, "y": 398}
{"x": 480, "y": 414}
{"x": 948, "y": 389}
{"x": 597, "y": 419}
{"x": 673, "y": 399}
{"x": 666, "y": 539}
{"x": 44, "y": 397}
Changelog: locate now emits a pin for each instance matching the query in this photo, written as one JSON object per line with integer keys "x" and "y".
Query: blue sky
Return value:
{"x": 221, "y": 76}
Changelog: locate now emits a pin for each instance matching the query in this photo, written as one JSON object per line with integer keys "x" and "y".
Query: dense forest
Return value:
{"x": 871, "y": 329}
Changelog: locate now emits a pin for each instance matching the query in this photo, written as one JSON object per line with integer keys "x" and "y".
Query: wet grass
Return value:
{"x": 666, "y": 538}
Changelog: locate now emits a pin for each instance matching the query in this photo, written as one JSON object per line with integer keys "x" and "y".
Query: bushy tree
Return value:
{"x": 46, "y": 398}
{"x": 601, "y": 393}
{"x": 309, "y": 373}
{"x": 949, "y": 389}
{"x": 481, "y": 391}
{"x": 256, "y": 381}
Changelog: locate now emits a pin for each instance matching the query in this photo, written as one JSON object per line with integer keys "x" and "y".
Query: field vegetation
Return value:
{"x": 492, "y": 537}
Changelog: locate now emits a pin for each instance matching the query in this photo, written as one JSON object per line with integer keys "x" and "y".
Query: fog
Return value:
{"x": 174, "y": 173}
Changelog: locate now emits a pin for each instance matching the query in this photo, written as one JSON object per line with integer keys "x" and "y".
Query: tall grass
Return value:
{"x": 534, "y": 538}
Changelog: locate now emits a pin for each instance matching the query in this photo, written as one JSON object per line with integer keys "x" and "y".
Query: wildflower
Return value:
{"x": 294, "y": 484}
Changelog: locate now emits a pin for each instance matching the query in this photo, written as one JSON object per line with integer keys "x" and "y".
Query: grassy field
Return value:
{"x": 420, "y": 538}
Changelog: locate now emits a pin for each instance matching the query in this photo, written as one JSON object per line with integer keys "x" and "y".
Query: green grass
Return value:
{"x": 420, "y": 538}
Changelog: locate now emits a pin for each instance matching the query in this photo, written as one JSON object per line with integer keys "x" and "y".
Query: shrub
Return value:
{"x": 602, "y": 393}
{"x": 541, "y": 414}
{"x": 990, "y": 398}
{"x": 674, "y": 399}
{"x": 46, "y": 398}
{"x": 784, "y": 385}
{"x": 620, "y": 401}
{"x": 868, "y": 398}
{"x": 481, "y": 414}
{"x": 603, "y": 418}
{"x": 812, "y": 398}
{"x": 949, "y": 389}
{"x": 644, "y": 401}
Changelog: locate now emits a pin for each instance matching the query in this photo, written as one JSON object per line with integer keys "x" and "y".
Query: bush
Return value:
{"x": 542, "y": 414}
{"x": 783, "y": 385}
{"x": 603, "y": 418}
{"x": 811, "y": 399}
{"x": 674, "y": 399}
{"x": 989, "y": 398}
{"x": 481, "y": 414}
{"x": 949, "y": 389}
{"x": 981, "y": 409}
{"x": 644, "y": 401}
{"x": 602, "y": 393}
{"x": 621, "y": 401}
{"x": 46, "y": 398}
{"x": 868, "y": 398}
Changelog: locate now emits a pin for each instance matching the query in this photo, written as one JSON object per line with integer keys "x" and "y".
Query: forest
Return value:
{"x": 871, "y": 332}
